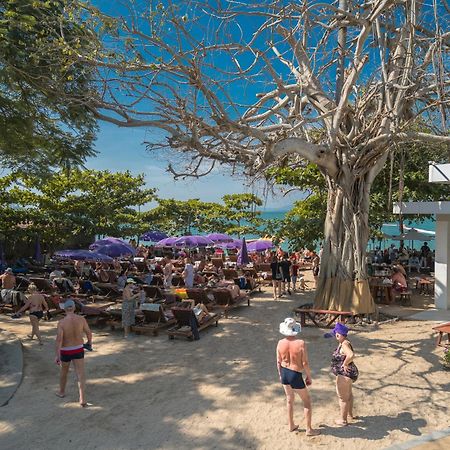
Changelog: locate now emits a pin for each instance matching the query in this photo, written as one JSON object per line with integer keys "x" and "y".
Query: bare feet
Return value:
{"x": 85, "y": 405}
{"x": 58, "y": 394}
{"x": 295, "y": 428}
{"x": 341, "y": 423}
{"x": 312, "y": 432}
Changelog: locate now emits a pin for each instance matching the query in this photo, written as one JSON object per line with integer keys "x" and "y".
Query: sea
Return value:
{"x": 389, "y": 229}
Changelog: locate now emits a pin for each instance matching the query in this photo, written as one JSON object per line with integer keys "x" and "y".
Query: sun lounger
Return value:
{"x": 155, "y": 319}
{"x": 200, "y": 295}
{"x": 154, "y": 293}
{"x": 43, "y": 285}
{"x": 187, "y": 325}
{"x": 230, "y": 274}
{"x": 217, "y": 262}
{"x": 225, "y": 300}
{"x": 443, "y": 328}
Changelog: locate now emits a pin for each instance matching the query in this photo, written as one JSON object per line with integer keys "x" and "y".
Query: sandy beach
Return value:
{"x": 222, "y": 391}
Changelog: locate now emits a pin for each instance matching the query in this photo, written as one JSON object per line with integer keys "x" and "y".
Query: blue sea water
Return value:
{"x": 391, "y": 229}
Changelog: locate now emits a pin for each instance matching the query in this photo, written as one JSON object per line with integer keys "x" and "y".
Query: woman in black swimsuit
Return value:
{"x": 346, "y": 372}
{"x": 36, "y": 304}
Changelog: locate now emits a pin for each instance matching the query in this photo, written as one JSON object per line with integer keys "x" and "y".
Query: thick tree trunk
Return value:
{"x": 343, "y": 282}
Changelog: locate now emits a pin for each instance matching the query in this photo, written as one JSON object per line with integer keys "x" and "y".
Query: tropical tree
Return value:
{"x": 405, "y": 178}
{"x": 73, "y": 206}
{"x": 44, "y": 123}
{"x": 264, "y": 84}
{"x": 240, "y": 213}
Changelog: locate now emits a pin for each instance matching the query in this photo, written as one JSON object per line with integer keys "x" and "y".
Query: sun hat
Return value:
{"x": 131, "y": 280}
{"x": 69, "y": 303}
{"x": 9, "y": 270}
{"x": 338, "y": 328}
{"x": 290, "y": 327}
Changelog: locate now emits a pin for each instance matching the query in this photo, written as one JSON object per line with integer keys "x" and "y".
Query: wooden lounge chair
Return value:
{"x": 155, "y": 319}
{"x": 200, "y": 295}
{"x": 316, "y": 314}
{"x": 217, "y": 262}
{"x": 225, "y": 300}
{"x": 43, "y": 285}
{"x": 187, "y": 325}
{"x": 230, "y": 274}
{"x": 154, "y": 293}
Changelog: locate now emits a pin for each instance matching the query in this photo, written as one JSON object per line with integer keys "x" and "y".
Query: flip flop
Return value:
{"x": 312, "y": 433}
{"x": 294, "y": 429}
{"x": 85, "y": 405}
{"x": 60, "y": 395}
{"x": 339, "y": 423}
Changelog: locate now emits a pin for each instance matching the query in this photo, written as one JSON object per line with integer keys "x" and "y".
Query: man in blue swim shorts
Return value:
{"x": 292, "y": 361}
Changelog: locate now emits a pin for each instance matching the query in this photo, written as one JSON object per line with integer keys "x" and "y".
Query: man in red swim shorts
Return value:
{"x": 70, "y": 348}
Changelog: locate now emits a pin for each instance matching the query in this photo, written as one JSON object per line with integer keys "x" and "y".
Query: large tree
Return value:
{"x": 44, "y": 124}
{"x": 260, "y": 84}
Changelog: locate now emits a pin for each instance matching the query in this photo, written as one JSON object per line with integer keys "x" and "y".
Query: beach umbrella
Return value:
{"x": 37, "y": 255}
{"x": 153, "y": 236}
{"x": 220, "y": 237}
{"x": 193, "y": 241}
{"x": 2, "y": 255}
{"x": 243, "y": 259}
{"x": 83, "y": 255}
{"x": 259, "y": 245}
{"x": 235, "y": 244}
{"x": 167, "y": 242}
{"x": 414, "y": 235}
{"x": 113, "y": 247}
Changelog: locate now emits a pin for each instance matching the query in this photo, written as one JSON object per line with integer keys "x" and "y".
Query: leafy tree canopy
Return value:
{"x": 44, "y": 123}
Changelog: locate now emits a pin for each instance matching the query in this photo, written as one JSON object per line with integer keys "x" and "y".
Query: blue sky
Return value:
{"x": 121, "y": 149}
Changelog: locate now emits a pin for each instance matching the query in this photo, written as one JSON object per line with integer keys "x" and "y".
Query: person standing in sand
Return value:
{"x": 346, "y": 372}
{"x": 70, "y": 348}
{"x": 36, "y": 304}
{"x": 292, "y": 361}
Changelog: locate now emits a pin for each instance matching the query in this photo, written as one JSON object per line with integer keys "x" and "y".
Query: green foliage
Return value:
{"x": 69, "y": 204}
{"x": 303, "y": 225}
{"x": 236, "y": 216}
{"x": 44, "y": 123}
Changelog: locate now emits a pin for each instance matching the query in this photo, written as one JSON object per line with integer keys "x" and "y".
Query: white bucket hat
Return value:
{"x": 290, "y": 327}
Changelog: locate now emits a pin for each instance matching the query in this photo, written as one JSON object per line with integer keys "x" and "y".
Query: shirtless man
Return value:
{"x": 8, "y": 281}
{"x": 292, "y": 360}
{"x": 69, "y": 347}
{"x": 36, "y": 304}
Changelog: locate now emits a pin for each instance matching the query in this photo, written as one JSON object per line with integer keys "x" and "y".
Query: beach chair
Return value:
{"x": 200, "y": 295}
{"x": 153, "y": 292}
{"x": 177, "y": 281}
{"x": 155, "y": 319}
{"x": 225, "y": 300}
{"x": 230, "y": 274}
{"x": 217, "y": 262}
{"x": 187, "y": 325}
{"x": 43, "y": 285}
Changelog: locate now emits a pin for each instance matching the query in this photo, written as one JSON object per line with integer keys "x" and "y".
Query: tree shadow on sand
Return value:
{"x": 377, "y": 427}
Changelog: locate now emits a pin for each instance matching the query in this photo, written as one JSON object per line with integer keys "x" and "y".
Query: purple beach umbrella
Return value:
{"x": 193, "y": 241}
{"x": 235, "y": 244}
{"x": 220, "y": 237}
{"x": 167, "y": 242}
{"x": 153, "y": 236}
{"x": 37, "y": 255}
{"x": 82, "y": 255}
{"x": 259, "y": 246}
{"x": 243, "y": 258}
{"x": 113, "y": 247}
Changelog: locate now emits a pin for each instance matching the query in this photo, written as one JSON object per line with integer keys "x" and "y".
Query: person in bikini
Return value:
{"x": 292, "y": 361}
{"x": 36, "y": 304}
{"x": 70, "y": 348}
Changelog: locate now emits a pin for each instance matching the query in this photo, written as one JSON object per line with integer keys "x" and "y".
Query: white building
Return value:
{"x": 438, "y": 173}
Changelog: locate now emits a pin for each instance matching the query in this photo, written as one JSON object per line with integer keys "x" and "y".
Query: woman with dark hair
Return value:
{"x": 345, "y": 371}
{"x": 276, "y": 276}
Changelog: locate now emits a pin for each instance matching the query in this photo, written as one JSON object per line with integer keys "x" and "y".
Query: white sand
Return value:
{"x": 222, "y": 392}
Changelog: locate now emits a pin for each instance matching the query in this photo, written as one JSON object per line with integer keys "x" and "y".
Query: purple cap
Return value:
{"x": 338, "y": 328}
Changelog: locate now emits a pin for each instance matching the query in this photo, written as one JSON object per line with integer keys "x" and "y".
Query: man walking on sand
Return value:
{"x": 69, "y": 347}
{"x": 292, "y": 360}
